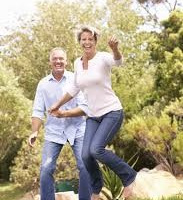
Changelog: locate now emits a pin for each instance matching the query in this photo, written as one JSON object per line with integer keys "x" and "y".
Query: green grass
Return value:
{"x": 178, "y": 197}
{"x": 9, "y": 191}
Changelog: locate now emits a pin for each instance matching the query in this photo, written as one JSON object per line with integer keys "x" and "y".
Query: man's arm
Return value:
{"x": 37, "y": 114}
{"x": 36, "y": 124}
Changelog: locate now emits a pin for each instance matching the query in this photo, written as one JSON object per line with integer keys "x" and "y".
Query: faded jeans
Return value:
{"x": 99, "y": 132}
{"x": 50, "y": 154}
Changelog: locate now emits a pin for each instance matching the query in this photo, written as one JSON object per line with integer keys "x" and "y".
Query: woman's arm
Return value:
{"x": 67, "y": 97}
{"x": 113, "y": 44}
{"x": 74, "y": 112}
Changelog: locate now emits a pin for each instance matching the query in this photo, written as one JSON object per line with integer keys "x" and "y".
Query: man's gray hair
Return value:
{"x": 59, "y": 49}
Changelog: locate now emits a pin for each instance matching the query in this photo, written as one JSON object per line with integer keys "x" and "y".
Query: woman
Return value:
{"x": 105, "y": 115}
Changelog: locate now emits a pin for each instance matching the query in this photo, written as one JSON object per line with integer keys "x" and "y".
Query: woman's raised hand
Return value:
{"x": 113, "y": 43}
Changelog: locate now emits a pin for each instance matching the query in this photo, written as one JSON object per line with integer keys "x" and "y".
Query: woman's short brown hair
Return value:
{"x": 87, "y": 29}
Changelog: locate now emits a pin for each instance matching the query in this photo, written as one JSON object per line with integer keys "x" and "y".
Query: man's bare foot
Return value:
{"x": 95, "y": 197}
{"x": 128, "y": 191}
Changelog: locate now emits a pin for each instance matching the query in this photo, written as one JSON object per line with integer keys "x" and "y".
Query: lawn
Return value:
{"x": 9, "y": 191}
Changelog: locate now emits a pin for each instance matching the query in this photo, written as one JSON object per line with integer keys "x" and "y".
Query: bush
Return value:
{"x": 155, "y": 136}
{"x": 14, "y": 119}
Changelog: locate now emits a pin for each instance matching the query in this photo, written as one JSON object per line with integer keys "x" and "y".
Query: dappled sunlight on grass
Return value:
{"x": 10, "y": 191}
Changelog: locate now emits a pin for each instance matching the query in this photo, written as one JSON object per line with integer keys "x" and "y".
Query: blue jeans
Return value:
{"x": 50, "y": 154}
{"x": 99, "y": 131}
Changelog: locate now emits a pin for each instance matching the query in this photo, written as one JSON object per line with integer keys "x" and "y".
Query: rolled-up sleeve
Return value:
{"x": 38, "y": 105}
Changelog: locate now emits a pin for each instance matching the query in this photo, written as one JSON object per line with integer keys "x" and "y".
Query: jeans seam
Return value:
{"x": 113, "y": 127}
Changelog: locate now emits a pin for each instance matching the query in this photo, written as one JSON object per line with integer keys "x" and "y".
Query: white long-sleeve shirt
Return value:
{"x": 95, "y": 83}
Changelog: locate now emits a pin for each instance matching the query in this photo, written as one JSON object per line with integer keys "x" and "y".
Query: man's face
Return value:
{"x": 58, "y": 61}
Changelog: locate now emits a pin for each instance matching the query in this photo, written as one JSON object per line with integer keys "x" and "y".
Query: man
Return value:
{"x": 69, "y": 127}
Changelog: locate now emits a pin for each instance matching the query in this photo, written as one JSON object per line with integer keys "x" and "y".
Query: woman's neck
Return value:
{"x": 89, "y": 56}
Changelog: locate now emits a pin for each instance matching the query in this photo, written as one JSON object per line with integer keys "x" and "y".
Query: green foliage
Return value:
{"x": 177, "y": 148}
{"x": 66, "y": 165}
{"x": 112, "y": 182}
{"x": 169, "y": 76}
{"x": 55, "y": 24}
{"x": 157, "y": 137}
{"x": 122, "y": 19}
{"x": 167, "y": 51}
{"x": 133, "y": 88}
{"x": 174, "y": 23}
{"x": 152, "y": 11}
{"x": 27, "y": 49}
{"x": 14, "y": 119}
{"x": 25, "y": 171}
{"x": 175, "y": 111}
{"x": 175, "y": 108}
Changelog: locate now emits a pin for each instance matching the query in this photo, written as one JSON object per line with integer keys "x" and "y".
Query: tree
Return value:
{"x": 154, "y": 8}
{"x": 167, "y": 52}
{"x": 27, "y": 49}
{"x": 14, "y": 119}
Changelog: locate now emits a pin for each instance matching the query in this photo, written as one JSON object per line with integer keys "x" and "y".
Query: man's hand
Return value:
{"x": 58, "y": 113}
{"x": 32, "y": 138}
{"x": 53, "y": 108}
{"x": 74, "y": 112}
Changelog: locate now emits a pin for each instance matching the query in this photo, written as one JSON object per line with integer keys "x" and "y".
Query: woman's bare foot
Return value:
{"x": 95, "y": 197}
{"x": 128, "y": 191}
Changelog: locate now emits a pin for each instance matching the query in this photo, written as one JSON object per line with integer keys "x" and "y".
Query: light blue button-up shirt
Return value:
{"x": 49, "y": 91}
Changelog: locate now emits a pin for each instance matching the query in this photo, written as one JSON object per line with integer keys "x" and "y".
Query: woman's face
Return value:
{"x": 88, "y": 42}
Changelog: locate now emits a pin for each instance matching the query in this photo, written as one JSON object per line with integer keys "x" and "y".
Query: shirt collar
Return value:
{"x": 51, "y": 77}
